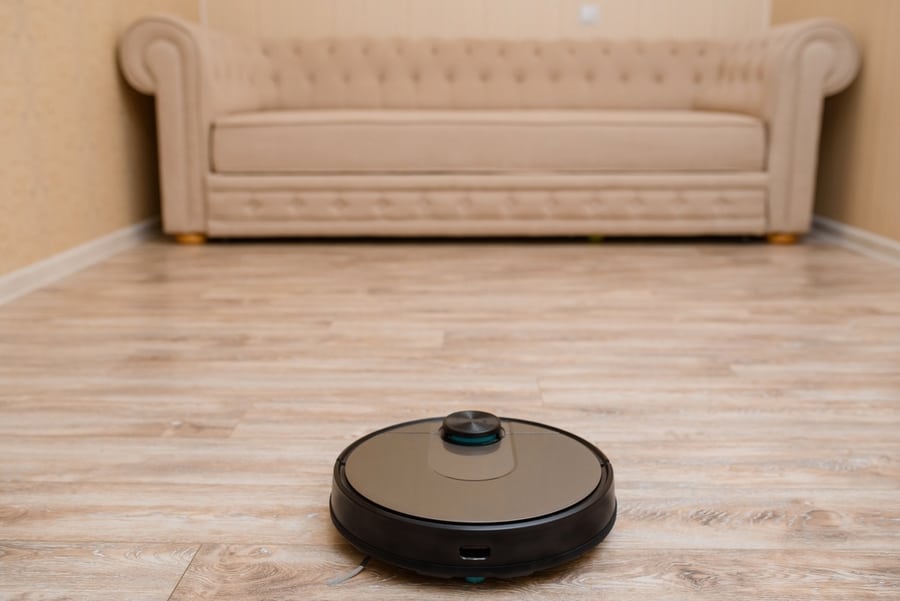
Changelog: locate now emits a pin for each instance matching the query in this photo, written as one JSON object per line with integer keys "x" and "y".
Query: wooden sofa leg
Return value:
{"x": 190, "y": 238}
{"x": 782, "y": 238}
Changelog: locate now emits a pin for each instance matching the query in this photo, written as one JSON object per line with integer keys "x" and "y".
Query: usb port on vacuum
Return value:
{"x": 474, "y": 553}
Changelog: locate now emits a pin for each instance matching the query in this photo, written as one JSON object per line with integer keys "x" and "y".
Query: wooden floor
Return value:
{"x": 169, "y": 418}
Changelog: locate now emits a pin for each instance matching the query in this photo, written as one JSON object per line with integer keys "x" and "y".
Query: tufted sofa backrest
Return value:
{"x": 478, "y": 74}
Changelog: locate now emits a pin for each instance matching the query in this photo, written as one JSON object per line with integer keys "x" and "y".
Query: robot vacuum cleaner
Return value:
{"x": 472, "y": 495}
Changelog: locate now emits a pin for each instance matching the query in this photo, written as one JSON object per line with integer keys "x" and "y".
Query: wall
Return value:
{"x": 499, "y": 18}
{"x": 859, "y": 177}
{"x": 76, "y": 143}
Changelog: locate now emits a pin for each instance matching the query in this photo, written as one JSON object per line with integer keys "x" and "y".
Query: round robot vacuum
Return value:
{"x": 473, "y": 495}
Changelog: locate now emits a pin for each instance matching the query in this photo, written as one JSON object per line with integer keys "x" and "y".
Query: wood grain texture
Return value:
{"x": 254, "y": 572}
{"x": 87, "y": 571}
{"x": 180, "y": 398}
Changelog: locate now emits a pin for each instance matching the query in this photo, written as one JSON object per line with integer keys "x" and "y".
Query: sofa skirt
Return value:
{"x": 486, "y": 205}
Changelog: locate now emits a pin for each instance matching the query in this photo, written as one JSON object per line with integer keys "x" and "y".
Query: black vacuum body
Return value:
{"x": 473, "y": 495}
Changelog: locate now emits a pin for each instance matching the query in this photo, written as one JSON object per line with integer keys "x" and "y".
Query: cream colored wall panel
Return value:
{"x": 494, "y": 18}
{"x": 890, "y": 202}
{"x": 285, "y": 18}
{"x": 521, "y": 18}
{"x": 447, "y": 19}
{"x": 237, "y": 16}
{"x": 373, "y": 17}
{"x": 738, "y": 17}
{"x": 19, "y": 183}
{"x": 884, "y": 212}
{"x": 617, "y": 19}
{"x": 76, "y": 144}
{"x": 674, "y": 18}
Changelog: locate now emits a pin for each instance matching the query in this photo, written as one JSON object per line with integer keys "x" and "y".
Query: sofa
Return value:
{"x": 487, "y": 137}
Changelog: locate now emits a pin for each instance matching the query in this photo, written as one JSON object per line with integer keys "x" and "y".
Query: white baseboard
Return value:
{"x": 854, "y": 238}
{"x": 42, "y": 273}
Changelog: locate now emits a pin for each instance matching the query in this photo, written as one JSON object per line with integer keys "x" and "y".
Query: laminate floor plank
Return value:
{"x": 91, "y": 571}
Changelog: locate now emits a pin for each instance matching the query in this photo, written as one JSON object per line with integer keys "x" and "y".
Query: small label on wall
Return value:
{"x": 589, "y": 14}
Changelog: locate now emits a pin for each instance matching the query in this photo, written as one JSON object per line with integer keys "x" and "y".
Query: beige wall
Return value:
{"x": 859, "y": 169}
{"x": 76, "y": 144}
{"x": 501, "y": 18}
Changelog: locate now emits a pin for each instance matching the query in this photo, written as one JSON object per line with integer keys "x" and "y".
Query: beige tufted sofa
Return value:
{"x": 404, "y": 137}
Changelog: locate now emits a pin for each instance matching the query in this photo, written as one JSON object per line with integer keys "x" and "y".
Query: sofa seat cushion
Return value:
{"x": 325, "y": 141}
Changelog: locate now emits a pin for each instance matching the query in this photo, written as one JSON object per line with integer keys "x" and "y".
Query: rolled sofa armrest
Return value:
{"x": 783, "y": 77}
{"x": 195, "y": 75}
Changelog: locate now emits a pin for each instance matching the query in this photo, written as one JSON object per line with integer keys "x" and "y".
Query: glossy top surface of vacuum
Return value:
{"x": 466, "y": 471}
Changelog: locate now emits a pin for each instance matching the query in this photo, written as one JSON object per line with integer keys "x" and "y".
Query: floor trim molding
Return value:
{"x": 859, "y": 240}
{"x": 22, "y": 281}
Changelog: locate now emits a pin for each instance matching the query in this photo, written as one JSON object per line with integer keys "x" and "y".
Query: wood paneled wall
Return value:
{"x": 496, "y": 18}
{"x": 859, "y": 178}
